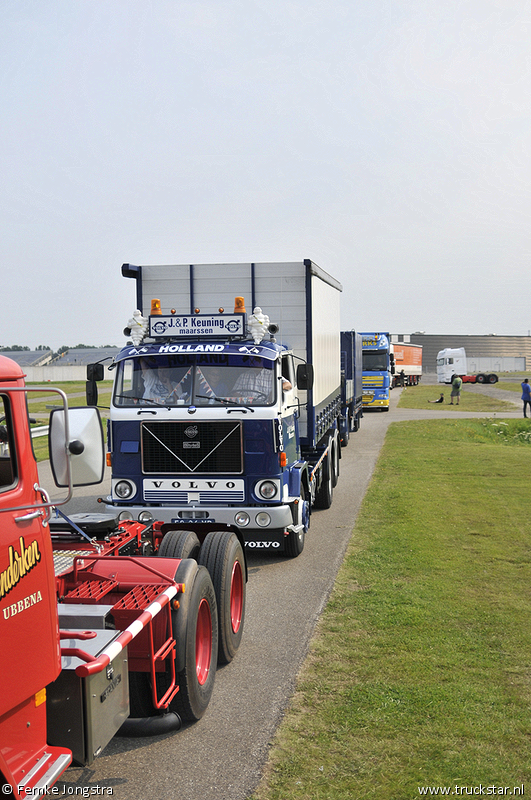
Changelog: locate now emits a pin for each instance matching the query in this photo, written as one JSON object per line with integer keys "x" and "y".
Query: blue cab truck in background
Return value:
{"x": 378, "y": 370}
{"x": 214, "y": 424}
{"x": 351, "y": 384}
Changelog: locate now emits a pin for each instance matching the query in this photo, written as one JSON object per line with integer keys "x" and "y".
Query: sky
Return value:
{"x": 386, "y": 140}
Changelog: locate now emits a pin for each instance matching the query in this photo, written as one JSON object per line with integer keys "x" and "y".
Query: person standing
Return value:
{"x": 526, "y": 396}
{"x": 457, "y": 382}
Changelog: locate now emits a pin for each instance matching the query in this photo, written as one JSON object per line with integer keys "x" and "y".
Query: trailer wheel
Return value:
{"x": 336, "y": 455}
{"x": 195, "y": 630}
{"x": 323, "y": 497}
{"x": 179, "y": 544}
{"x": 222, "y": 554}
{"x": 480, "y": 378}
{"x": 492, "y": 379}
{"x": 294, "y": 540}
{"x": 345, "y": 437}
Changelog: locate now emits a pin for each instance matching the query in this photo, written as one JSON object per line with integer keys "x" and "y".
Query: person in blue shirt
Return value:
{"x": 526, "y": 396}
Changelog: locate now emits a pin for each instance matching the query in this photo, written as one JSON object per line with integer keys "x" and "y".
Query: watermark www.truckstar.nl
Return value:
{"x": 492, "y": 790}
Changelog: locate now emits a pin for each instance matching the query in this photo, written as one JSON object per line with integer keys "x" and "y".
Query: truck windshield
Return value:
{"x": 375, "y": 360}
{"x": 202, "y": 380}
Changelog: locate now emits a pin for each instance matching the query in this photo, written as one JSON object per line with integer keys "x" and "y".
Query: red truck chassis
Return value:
{"x": 106, "y": 626}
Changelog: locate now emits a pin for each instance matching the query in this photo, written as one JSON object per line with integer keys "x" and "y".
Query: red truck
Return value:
{"x": 106, "y": 626}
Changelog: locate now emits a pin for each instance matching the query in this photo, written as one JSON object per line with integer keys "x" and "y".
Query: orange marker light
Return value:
{"x": 283, "y": 459}
{"x": 40, "y": 697}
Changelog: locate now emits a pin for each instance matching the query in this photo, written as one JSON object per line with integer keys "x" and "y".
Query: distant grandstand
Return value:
{"x": 29, "y": 358}
{"x": 78, "y": 356}
{"x": 41, "y": 366}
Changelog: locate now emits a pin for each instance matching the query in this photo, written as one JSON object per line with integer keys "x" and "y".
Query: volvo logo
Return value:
{"x": 191, "y": 431}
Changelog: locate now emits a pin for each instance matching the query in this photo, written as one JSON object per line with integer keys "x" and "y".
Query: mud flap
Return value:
{"x": 264, "y": 541}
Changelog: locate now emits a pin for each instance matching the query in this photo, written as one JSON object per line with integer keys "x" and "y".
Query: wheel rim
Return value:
{"x": 203, "y": 642}
{"x": 236, "y": 597}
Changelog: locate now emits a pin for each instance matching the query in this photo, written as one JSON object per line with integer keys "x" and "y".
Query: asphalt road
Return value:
{"x": 223, "y": 755}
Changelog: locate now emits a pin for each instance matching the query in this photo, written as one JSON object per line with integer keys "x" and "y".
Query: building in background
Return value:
{"x": 492, "y": 346}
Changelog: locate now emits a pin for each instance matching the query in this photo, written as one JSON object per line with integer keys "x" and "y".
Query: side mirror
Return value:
{"x": 95, "y": 372}
{"x": 393, "y": 369}
{"x": 304, "y": 376}
{"x": 84, "y": 450}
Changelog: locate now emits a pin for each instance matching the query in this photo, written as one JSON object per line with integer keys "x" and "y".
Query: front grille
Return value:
{"x": 184, "y": 448}
{"x": 236, "y": 496}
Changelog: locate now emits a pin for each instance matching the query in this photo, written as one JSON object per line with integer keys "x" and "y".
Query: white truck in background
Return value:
{"x": 453, "y": 361}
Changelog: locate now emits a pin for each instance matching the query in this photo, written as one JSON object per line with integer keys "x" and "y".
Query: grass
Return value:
{"x": 40, "y": 403}
{"x": 419, "y": 396}
{"x": 420, "y": 670}
{"x": 511, "y": 387}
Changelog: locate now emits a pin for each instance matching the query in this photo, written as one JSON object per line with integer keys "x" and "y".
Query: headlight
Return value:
{"x": 146, "y": 517}
{"x": 125, "y": 515}
{"x": 263, "y": 519}
{"x": 123, "y": 490}
{"x": 267, "y": 490}
{"x": 241, "y": 519}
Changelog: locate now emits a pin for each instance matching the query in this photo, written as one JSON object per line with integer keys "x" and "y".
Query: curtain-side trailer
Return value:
{"x": 351, "y": 384}
{"x": 408, "y": 364}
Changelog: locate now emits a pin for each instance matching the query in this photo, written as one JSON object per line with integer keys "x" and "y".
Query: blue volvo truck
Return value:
{"x": 227, "y": 405}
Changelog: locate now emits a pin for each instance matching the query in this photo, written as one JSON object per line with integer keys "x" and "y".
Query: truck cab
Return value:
{"x": 29, "y": 622}
{"x": 451, "y": 361}
{"x": 378, "y": 369}
{"x": 207, "y": 433}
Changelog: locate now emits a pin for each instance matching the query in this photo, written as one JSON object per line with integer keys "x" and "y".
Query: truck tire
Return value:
{"x": 323, "y": 497}
{"x": 345, "y": 437}
{"x": 195, "y": 630}
{"x": 222, "y": 555}
{"x": 492, "y": 378}
{"x": 179, "y": 544}
{"x": 480, "y": 378}
{"x": 295, "y": 541}
{"x": 196, "y": 679}
{"x": 336, "y": 455}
